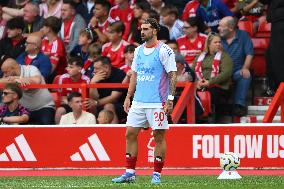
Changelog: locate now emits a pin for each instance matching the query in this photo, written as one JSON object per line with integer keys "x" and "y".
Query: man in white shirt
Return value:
{"x": 77, "y": 116}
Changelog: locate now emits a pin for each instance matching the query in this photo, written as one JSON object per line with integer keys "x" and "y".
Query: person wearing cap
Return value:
{"x": 152, "y": 86}
{"x": 12, "y": 112}
{"x": 14, "y": 43}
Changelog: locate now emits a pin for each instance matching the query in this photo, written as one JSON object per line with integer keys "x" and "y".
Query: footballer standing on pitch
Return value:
{"x": 152, "y": 86}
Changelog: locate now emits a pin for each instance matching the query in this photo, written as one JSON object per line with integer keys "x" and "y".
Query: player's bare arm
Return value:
{"x": 130, "y": 92}
{"x": 173, "y": 80}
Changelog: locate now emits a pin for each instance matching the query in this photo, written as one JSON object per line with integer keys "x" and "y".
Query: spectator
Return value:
{"x": 190, "y": 9}
{"x": 157, "y": 5}
{"x": 121, "y": 11}
{"x": 33, "y": 21}
{"x": 72, "y": 24}
{"x": 95, "y": 50}
{"x": 114, "y": 49}
{"x": 85, "y": 8}
{"x": 239, "y": 46}
{"x": 34, "y": 56}
{"x": 101, "y": 19}
{"x": 107, "y": 98}
{"x": 213, "y": 69}
{"x": 182, "y": 73}
{"x": 163, "y": 33}
{"x": 13, "y": 9}
{"x": 250, "y": 10}
{"x": 211, "y": 12}
{"x": 77, "y": 116}
{"x": 193, "y": 42}
{"x": 275, "y": 59}
{"x": 53, "y": 46}
{"x": 38, "y": 101}
{"x": 128, "y": 55}
{"x": 86, "y": 37}
{"x": 132, "y": 33}
{"x": 50, "y": 8}
{"x": 2, "y": 25}
{"x": 13, "y": 112}
{"x": 173, "y": 45}
{"x": 105, "y": 117}
{"x": 169, "y": 15}
{"x": 73, "y": 76}
{"x": 14, "y": 43}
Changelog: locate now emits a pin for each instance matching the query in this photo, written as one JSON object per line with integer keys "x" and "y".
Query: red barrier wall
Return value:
{"x": 188, "y": 146}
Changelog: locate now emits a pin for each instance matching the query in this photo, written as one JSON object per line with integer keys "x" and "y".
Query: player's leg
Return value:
{"x": 159, "y": 123}
{"x": 159, "y": 153}
{"x": 136, "y": 119}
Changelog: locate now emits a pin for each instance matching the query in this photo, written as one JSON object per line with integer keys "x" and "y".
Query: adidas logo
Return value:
{"x": 88, "y": 150}
{"x": 18, "y": 151}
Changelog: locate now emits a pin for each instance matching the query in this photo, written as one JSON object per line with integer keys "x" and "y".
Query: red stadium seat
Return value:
{"x": 246, "y": 25}
{"x": 264, "y": 28}
{"x": 260, "y": 46}
{"x": 205, "y": 98}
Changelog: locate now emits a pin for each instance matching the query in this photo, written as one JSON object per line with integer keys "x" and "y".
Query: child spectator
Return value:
{"x": 105, "y": 117}
{"x": 94, "y": 51}
{"x": 115, "y": 48}
{"x": 53, "y": 46}
{"x": 73, "y": 76}
{"x": 129, "y": 55}
{"x": 169, "y": 15}
{"x": 86, "y": 37}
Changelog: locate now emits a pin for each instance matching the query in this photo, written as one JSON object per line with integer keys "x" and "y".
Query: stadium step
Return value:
{"x": 255, "y": 119}
{"x": 260, "y": 110}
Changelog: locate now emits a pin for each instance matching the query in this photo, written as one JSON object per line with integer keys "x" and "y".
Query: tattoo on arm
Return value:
{"x": 173, "y": 80}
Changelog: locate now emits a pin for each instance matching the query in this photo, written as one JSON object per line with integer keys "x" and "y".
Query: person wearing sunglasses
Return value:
{"x": 12, "y": 112}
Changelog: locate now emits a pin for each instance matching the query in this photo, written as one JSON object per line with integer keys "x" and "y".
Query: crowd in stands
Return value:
{"x": 93, "y": 41}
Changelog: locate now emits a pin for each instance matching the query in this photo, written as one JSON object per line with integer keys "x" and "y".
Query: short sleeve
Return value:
{"x": 167, "y": 57}
{"x": 134, "y": 62}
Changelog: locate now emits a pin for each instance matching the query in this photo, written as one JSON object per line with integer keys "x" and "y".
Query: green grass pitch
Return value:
{"x": 251, "y": 182}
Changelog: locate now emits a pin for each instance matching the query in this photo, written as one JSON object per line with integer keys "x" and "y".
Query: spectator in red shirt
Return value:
{"x": 53, "y": 46}
{"x": 101, "y": 19}
{"x": 115, "y": 48}
{"x": 122, "y": 11}
{"x": 193, "y": 42}
{"x": 190, "y": 9}
{"x": 73, "y": 76}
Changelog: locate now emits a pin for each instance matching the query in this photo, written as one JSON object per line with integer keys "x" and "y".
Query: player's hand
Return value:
{"x": 245, "y": 73}
{"x": 126, "y": 104}
{"x": 168, "y": 108}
